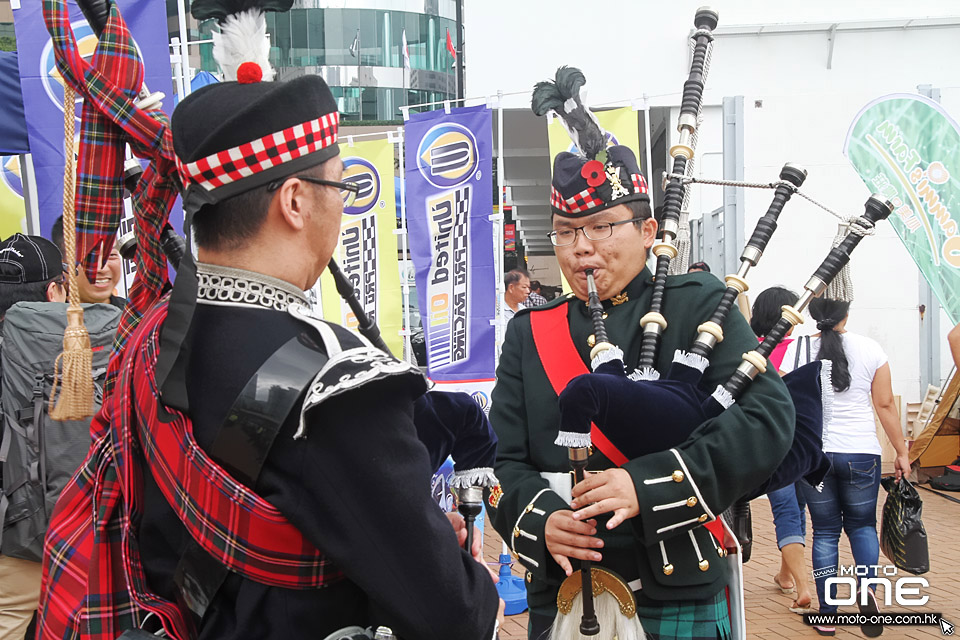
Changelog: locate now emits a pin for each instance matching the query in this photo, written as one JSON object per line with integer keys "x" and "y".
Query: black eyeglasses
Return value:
{"x": 594, "y": 232}
{"x": 348, "y": 190}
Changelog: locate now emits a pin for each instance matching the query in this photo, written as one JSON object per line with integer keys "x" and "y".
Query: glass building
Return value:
{"x": 367, "y": 78}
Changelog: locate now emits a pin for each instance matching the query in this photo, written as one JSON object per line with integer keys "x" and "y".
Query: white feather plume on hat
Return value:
{"x": 243, "y": 38}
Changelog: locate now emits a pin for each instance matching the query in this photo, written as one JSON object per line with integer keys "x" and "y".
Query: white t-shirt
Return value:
{"x": 852, "y": 428}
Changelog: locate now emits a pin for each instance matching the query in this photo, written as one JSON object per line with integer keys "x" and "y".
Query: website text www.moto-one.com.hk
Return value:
{"x": 887, "y": 619}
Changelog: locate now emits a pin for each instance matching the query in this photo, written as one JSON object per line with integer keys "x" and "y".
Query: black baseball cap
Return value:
{"x": 26, "y": 259}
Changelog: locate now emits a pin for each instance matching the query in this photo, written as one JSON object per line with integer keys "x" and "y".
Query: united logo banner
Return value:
{"x": 621, "y": 125}
{"x": 42, "y": 85}
{"x": 907, "y": 148}
{"x": 449, "y": 195}
{"x": 367, "y": 251}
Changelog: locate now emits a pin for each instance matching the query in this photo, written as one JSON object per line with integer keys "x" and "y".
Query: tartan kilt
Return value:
{"x": 706, "y": 619}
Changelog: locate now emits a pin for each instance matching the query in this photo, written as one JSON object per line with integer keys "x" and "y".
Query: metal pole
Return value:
{"x": 930, "y": 318}
{"x": 184, "y": 52}
{"x": 646, "y": 142}
{"x": 359, "y": 88}
{"x": 459, "y": 48}
{"x": 498, "y": 228}
{"x": 30, "y": 200}
{"x": 177, "y": 66}
{"x": 407, "y": 259}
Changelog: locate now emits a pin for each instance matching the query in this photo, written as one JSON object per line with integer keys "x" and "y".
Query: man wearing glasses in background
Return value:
{"x": 602, "y": 221}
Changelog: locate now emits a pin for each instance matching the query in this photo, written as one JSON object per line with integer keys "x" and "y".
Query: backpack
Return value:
{"x": 40, "y": 455}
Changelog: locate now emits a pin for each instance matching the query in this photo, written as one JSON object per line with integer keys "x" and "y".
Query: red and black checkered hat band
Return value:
{"x": 590, "y": 198}
{"x": 250, "y": 158}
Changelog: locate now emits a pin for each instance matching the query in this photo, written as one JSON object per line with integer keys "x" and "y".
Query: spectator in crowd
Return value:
{"x": 787, "y": 504}
{"x": 30, "y": 271}
{"x": 103, "y": 289}
{"x": 517, "y": 288}
{"x": 848, "y": 499}
{"x": 953, "y": 339}
{"x": 698, "y": 266}
{"x": 535, "y": 299}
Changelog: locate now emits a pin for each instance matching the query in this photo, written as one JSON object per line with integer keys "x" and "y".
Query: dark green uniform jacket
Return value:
{"x": 678, "y": 489}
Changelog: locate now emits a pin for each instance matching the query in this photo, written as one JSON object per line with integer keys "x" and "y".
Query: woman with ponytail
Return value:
{"x": 847, "y": 499}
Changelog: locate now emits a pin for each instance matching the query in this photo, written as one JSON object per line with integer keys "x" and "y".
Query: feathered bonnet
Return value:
{"x": 242, "y": 133}
{"x": 597, "y": 177}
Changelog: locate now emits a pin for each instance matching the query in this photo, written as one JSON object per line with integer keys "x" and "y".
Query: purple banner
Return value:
{"x": 449, "y": 202}
{"x": 42, "y": 85}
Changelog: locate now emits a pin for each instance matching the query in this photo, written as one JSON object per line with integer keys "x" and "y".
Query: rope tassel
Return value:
{"x": 73, "y": 368}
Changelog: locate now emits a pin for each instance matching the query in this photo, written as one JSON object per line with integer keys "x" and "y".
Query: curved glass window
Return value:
{"x": 313, "y": 38}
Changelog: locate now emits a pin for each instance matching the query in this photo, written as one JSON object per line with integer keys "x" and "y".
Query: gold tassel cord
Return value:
{"x": 74, "y": 367}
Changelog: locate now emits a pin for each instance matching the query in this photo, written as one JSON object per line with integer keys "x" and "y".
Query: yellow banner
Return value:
{"x": 621, "y": 125}
{"x": 367, "y": 251}
{"x": 13, "y": 212}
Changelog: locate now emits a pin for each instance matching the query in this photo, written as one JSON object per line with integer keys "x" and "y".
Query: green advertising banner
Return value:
{"x": 907, "y": 148}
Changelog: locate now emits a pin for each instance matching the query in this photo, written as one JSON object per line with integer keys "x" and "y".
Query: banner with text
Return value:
{"x": 449, "y": 195}
{"x": 367, "y": 251}
{"x": 42, "y": 85}
{"x": 622, "y": 127}
{"x": 907, "y": 148}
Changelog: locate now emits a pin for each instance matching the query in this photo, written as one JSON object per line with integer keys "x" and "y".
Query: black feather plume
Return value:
{"x": 569, "y": 81}
{"x": 546, "y": 97}
{"x": 220, "y": 9}
{"x": 563, "y": 97}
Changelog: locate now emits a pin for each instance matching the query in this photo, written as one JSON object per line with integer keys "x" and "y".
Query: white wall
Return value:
{"x": 640, "y": 47}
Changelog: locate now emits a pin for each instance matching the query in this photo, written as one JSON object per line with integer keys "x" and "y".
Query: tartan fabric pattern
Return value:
{"x": 89, "y": 565}
{"x": 99, "y": 185}
{"x": 589, "y": 198}
{"x": 250, "y": 158}
{"x": 146, "y": 131}
{"x": 706, "y": 619}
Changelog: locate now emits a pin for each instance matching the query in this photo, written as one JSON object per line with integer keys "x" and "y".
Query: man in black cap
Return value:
{"x": 284, "y": 491}
{"x": 639, "y": 517}
{"x": 30, "y": 271}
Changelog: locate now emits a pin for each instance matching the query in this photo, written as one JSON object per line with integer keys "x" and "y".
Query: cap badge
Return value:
{"x": 613, "y": 177}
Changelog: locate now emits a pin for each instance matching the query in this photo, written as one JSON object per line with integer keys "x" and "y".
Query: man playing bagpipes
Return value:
{"x": 641, "y": 517}
{"x": 256, "y": 471}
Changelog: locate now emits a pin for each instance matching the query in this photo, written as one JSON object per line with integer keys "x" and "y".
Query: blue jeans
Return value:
{"x": 848, "y": 502}
{"x": 789, "y": 515}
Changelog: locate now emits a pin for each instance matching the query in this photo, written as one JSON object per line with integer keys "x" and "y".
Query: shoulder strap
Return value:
{"x": 562, "y": 363}
{"x": 241, "y": 447}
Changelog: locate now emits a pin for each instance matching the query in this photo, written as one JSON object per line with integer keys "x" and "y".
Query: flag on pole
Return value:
{"x": 405, "y": 49}
{"x": 355, "y": 47}
{"x": 450, "y": 46}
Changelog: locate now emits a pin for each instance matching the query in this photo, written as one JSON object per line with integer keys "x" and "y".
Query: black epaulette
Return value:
{"x": 351, "y": 363}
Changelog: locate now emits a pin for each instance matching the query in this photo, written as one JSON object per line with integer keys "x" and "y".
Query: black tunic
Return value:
{"x": 358, "y": 487}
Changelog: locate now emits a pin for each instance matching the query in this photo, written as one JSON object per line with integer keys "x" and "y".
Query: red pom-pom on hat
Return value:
{"x": 249, "y": 73}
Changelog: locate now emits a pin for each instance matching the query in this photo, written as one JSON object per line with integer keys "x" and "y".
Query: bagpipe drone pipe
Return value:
{"x": 612, "y": 400}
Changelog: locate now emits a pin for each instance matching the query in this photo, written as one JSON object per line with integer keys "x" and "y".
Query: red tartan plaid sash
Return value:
{"x": 88, "y": 566}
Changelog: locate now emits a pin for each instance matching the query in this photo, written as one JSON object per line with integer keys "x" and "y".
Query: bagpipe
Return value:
{"x": 628, "y": 408}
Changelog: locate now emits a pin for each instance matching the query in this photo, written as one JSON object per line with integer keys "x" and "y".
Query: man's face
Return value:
{"x": 108, "y": 275}
{"x": 326, "y": 214}
{"x": 518, "y": 291}
{"x": 615, "y": 261}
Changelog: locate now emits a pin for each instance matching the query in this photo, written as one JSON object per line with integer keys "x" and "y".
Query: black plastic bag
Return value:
{"x": 902, "y": 536}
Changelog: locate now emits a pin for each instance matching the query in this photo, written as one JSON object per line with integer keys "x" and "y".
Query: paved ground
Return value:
{"x": 767, "y": 615}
